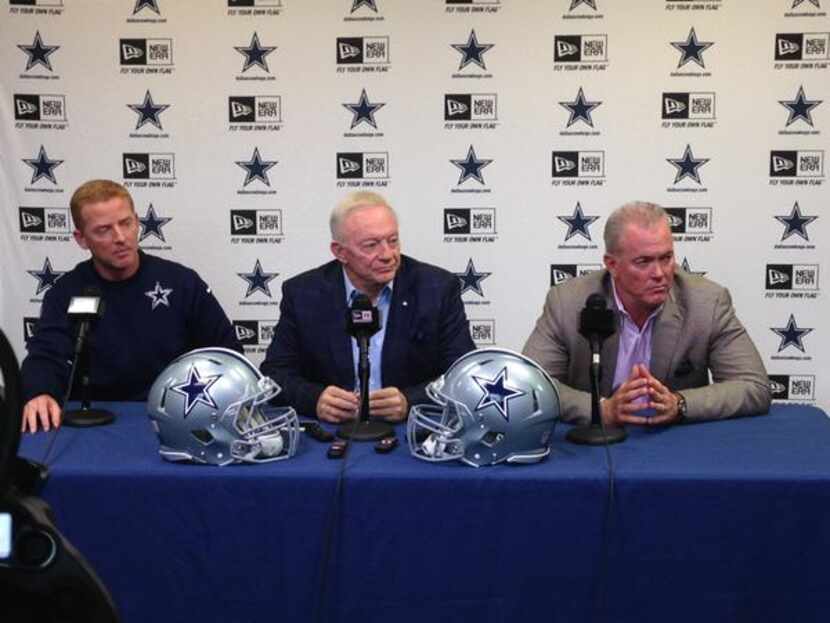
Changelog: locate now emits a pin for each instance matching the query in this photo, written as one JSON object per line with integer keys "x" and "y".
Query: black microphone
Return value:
{"x": 362, "y": 322}
{"x": 85, "y": 310}
{"x": 596, "y": 324}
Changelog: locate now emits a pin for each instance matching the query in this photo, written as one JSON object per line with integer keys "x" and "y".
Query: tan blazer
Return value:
{"x": 695, "y": 334}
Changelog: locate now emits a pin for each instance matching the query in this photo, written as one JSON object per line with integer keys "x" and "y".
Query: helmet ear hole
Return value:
{"x": 202, "y": 436}
{"x": 492, "y": 438}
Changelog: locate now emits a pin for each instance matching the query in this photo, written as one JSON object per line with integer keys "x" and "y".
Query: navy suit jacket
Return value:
{"x": 426, "y": 331}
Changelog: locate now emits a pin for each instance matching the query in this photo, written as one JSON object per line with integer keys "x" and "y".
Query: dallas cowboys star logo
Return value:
{"x": 42, "y": 166}
{"x": 471, "y": 167}
{"x": 472, "y": 51}
{"x": 256, "y": 168}
{"x": 46, "y": 277}
{"x": 196, "y": 390}
{"x": 688, "y": 268}
{"x": 576, "y": 3}
{"x": 687, "y": 166}
{"x": 148, "y": 111}
{"x": 371, "y": 4}
{"x": 149, "y": 4}
{"x": 815, "y": 3}
{"x": 795, "y": 223}
{"x": 159, "y": 295}
{"x": 38, "y": 53}
{"x": 258, "y": 280}
{"x": 580, "y": 109}
{"x": 497, "y": 393}
{"x": 800, "y": 107}
{"x": 691, "y": 49}
{"x": 578, "y": 223}
{"x": 791, "y": 335}
{"x": 151, "y": 225}
{"x": 363, "y": 111}
{"x": 471, "y": 279}
{"x": 255, "y": 54}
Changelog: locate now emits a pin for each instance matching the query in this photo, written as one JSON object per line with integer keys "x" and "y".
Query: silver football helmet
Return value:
{"x": 209, "y": 406}
{"x": 494, "y": 405}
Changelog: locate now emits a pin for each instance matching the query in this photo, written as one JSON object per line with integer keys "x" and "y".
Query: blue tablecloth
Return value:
{"x": 723, "y": 521}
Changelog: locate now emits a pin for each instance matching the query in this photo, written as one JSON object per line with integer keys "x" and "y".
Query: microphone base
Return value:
{"x": 85, "y": 418}
{"x": 593, "y": 435}
{"x": 365, "y": 430}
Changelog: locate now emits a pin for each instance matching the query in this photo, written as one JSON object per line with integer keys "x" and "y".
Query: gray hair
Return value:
{"x": 350, "y": 203}
{"x": 639, "y": 213}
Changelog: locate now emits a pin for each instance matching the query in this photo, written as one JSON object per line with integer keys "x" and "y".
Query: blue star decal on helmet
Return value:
{"x": 258, "y": 280}
{"x": 691, "y": 49}
{"x": 471, "y": 167}
{"x": 687, "y": 166}
{"x": 576, "y": 3}
{"x": 471, "y": 279}
{"x": 38, "y": 53}
{"x": 791, "y": 335}
{"x": 578, "y": 223}
{"x": 196, "y": 390}
{"x": 371, "y": 4}
{"x": 497, "y": 393}
{"x": 472, "y": 51}
{"x": 580, "y": 109}
{"x": 363, "y": 111}
{"x": 151, "y": 224}
{"x": 46, "y": 277}
{"x": 148, "y": 111}
{"x": 256, "y": 168}
{"x": 42, "y": 166}
{"x": 159, "y": 295}
{"x": 255, "y": 54}
{"x": 688, "y": 268}
{"x": 795, "y": 223}
{"x": 149, "y": 4}
{"x": 800, "y": 108}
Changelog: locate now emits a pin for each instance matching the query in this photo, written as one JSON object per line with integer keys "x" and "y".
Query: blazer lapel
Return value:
{"x": 665, "y": 337}
{"x": 611, "y": 345}
{"x": 398, "y": 323}
{"x": 340, "y": 344}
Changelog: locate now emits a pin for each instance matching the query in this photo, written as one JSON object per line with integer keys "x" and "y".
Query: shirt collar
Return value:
{"x": 623, "y": 311}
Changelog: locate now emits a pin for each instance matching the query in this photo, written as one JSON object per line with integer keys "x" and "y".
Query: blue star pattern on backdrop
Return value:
{"x": 471, "y": 167}
{"x": 791, "y": 335}
{"x": 687, "y": 166}
{"x": 580, "y": 109}
{"x": 148, "y": 111}
{"x": 471, "y": 279}
{"x": 150, "y": 4}
{"x": 815, "y": 3}
{"x": 691, "y": 49}
{"x": 258, "y": 280}
{"x": 256, "y": 168}
{"x": 800, "y": 107}
{"x": 159, "y": 295}
{"x": 38, "y": 53}
{"x": 371, "y": 4}
{"x": 497, "y": 393}
{"x": 42, "y": 166}
{"x": 688, "y": 268}
{"x": 576, "y": 3}
{"x": 795, "y": 223}
{"x": 472, "y": 51}
{"x": 363, "y": 111}
{"x": 151, "y": 224}
{"x": 196, "y": 390}
{"x": 578, "y": 223}
{"x": 255, "y": 54}
{"x": 46, "y": 277}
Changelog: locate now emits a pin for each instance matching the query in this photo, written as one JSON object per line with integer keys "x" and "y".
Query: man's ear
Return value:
{"x": 79, "y": 238}
{"x": 338, "y": 251}
{"x": 610, "y": 263}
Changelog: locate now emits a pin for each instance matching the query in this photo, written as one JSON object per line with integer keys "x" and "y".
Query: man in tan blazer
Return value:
{"x": 673, "y": 330}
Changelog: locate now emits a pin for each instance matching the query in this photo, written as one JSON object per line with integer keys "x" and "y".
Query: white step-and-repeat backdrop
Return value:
{"x": 504, "y": 132}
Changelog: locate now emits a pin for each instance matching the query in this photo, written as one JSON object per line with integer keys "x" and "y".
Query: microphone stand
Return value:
{"x": 364, "y": 429}
{"x": 85, "y": 416}
{"x": 595, "y": 433}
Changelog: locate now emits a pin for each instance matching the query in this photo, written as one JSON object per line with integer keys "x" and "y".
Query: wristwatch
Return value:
{"x": 681, "y": 407}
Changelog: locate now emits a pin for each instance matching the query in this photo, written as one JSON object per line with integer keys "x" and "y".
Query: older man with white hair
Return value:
{"x": 423, "y": 324}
